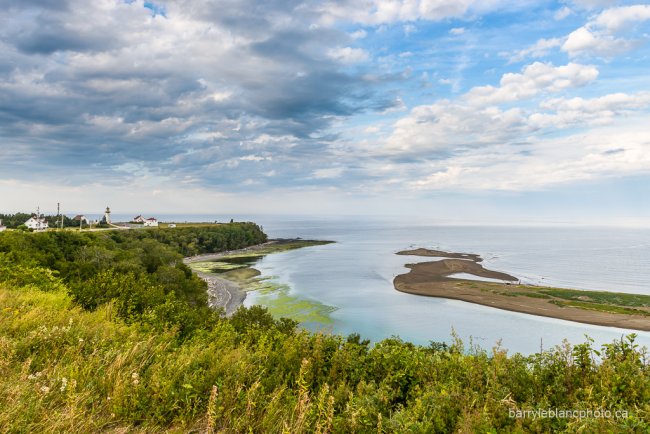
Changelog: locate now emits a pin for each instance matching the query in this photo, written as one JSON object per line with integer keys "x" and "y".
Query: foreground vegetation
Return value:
{"x": 98, "y": 332}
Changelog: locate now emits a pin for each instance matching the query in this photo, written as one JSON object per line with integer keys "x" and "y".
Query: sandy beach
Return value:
{"x": 432, "y": 279}
{"x": 224, "y": 293}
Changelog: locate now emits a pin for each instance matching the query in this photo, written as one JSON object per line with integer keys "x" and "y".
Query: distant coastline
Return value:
{"x": 433, "y": 279}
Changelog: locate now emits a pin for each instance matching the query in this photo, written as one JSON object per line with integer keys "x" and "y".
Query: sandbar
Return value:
{"x": 432, "y": 279}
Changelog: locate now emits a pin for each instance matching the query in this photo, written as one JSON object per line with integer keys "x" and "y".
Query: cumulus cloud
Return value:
{"x": 535, "y": 78}
{"x": 542, "y": 163}
{"x": 565, "y": 112}
{"x": 481, "y": 117}
{"x": 96, "y": 88}
{"x": 348, "y": 55}
{"x": 599, "y": 36}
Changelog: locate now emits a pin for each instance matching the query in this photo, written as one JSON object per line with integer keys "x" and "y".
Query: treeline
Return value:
{"x": 15, "y": 221}
{"x": 140, "y": 271}
{"x": 88, "y": 348}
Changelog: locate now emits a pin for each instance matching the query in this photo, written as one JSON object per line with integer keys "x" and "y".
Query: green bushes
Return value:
{"x": 118, "y": 342}
{"x": 265, "y": 376}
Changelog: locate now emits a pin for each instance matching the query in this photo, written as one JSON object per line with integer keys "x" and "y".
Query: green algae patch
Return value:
{"x": 217, "y": 267}
{"x": 276, "y": 297}
{"x": 278, "y": 246}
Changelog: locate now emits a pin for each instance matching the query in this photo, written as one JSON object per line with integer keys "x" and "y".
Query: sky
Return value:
{"x": 468, "y": 111}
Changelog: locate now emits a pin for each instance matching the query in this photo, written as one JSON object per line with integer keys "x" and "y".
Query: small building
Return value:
{"x": 172, "y": 225}
{"x": 81, "y": 219}
{"x": 37, "y": 223}
{"x": 138, "y": 219}
{"x": 2, "y": 228}
{"x": 151, "y": 222}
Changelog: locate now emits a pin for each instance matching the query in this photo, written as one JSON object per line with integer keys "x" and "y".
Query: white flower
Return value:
{"x": 45, "y": 389}
{"x": 64, "y": 384}
{"x": 135, "y": 378}
{"x": 31, "y": 377}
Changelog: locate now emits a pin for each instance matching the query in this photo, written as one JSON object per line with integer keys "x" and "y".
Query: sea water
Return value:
{"x": 355, "y": 276}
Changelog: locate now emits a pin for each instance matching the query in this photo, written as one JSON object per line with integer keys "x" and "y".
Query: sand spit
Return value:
{"x": 431, "y": 279}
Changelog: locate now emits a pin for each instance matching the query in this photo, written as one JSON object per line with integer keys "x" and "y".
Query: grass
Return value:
{"x": 189, "y": 225}
{"x": 601, "y": 307}
{"x": 600, "y": 297}
{"x": 612, "y": 302}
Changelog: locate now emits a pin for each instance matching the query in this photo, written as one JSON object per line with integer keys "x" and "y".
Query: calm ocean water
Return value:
{"x": 355, "y": 276}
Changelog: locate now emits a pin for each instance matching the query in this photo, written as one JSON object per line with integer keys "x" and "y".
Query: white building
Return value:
{"x": 37, "y": 223}
{"x": 2, "y": 228}
{"x": 151, "y": 222}
{"x": 138, "y": 219}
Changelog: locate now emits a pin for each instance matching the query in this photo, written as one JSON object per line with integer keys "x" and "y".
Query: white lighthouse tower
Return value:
{"x": 107, "y": 216}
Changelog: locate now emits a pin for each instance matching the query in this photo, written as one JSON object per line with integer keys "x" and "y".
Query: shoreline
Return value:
{"x": 224, "y": 293}
{"x": 432, "y": 279}
{"x": 228, "y": 294}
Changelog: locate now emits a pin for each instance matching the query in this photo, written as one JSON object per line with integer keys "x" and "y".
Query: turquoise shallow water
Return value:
{"x": 355, "y": 276}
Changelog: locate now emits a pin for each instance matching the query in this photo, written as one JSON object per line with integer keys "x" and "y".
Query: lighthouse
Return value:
{"x": 107, "y": 216}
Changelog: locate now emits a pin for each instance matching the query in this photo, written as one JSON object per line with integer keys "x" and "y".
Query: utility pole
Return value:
{"x": 58, "y": 214}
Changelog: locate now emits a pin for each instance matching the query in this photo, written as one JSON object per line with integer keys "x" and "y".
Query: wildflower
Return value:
{"x": 81, "y": 341}
{"x": 135, "y": 378}
{"x": 45, "y": 389}
{"x": 64, "y": 384}
{"x": 31, "y": 377}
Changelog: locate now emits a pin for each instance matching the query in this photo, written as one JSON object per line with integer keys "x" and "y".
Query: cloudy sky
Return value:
{"x": 460, "y": 110}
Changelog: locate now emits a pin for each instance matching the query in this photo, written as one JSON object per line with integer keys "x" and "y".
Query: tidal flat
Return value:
{"x": 237, "y": 267}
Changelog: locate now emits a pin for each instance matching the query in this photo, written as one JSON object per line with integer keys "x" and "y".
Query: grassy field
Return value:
{"x": 604, "y": 301}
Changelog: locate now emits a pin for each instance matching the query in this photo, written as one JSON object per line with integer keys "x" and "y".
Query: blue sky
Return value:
{"x": 466, "y": 111}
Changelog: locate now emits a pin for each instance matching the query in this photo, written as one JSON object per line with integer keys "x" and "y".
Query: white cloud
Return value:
{"x": 534, "y": 79}
{"x": 591, "y": 4}
{"x": 616, "y": 19}
{"x": 562, "y": 13}
{"x": 359, "y": 34}
{"x": 539, "y": 49}
{"x": 348, "y": 55}
{"x": 332, "y": 172}
{"x": 563, "y": 112}
{"x": 584, "y": 41}
{"x": 255, "y": 158}
{"x": 616, "y": 151}
{"x": 598, "y": 36}
{"x": 457, "y": 31}
{"x": 409, "y": 28}
{"x": 375, "y": 12}
{"x": 475, "y": 119}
